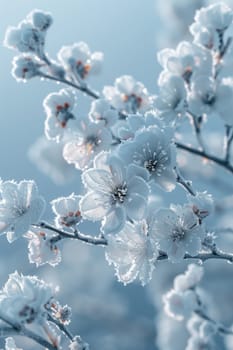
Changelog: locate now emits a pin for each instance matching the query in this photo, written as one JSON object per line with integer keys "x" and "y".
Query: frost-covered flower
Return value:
{"x": 171, "y": 101}
{"x": 214, "y": 97}
{"x": 58, "y": 107}
{"x": 152, "y": 149}
{"x": 20, "y": 207}
{"x": 88, "y": 140}
{"x": 102, "y": 111}
{"x": 202, "y": 204}
{"x": 67, "y": 211}
{"x": 132, "y": 253}
{"x": 128, "y": 95}
{"x": 189, "y": 279}
{"x": 25, "y": 299}
{"x": 210, "y": 24}
{"x": 42, "y": 247}
{"x": 25, "y": 67}
{"x": 180, "y": 305}
{"x": 177, "y": 231}
{"x": 29, "y": 35}
{"x": 115, "y": 193}
{"x": 79, "y": 61}
{"x": 186, "y": 61}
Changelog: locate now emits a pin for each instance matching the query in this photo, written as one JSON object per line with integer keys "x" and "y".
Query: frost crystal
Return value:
{"x": 177, "y": 231}
{"x": 25, "y": 299}
{"x": 132, "y": 253}
{"x": 114, "y": 193}
{"x": 20, "y": 207}
{"x": 67, "y": 211}
{"x": 128, "y": 95}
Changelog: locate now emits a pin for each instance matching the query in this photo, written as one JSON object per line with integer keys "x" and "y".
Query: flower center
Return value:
{"x": 82, "y": 70}
{"x": 178, "y": 234}
{"x": 133, "y": 102}
{"x": 151, "y": 165}
{"x": 27, "y": 313}
{"x": 119, "y": 193}
{"x": 63, "y": 114}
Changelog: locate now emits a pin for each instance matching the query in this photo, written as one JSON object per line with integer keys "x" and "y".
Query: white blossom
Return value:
{"x": 178, "y": 232}
{"x": 189, "y": 279}
{"x": 180, "y": 305}
{"x": 114, "y": 193}
{"x": 128, "y": 95}
{"x": 152, "y": 149}
{"x": 25, "y": 67}
{"x": 42, "y": 247}
{"x": 10, "y": 344}
{"x": 20, "y": 207}
{"x": 67, "y": 211}
{"x": 87, "y": 140}
{"x": 202, "y": 204}
{"x": 40, "y": 19}
{"x": 102, "y": 111}
{"x": 25, "y": 299}
{"x": 79, "y": 61}
{"x": 59, "y": 107}
{"x": 132, "y": 253}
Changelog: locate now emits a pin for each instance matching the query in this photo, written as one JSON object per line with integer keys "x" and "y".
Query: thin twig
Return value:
{"x": 84, "y": 89}
{"x": 219, "y": 327}
{"x": 22, "y": 330}
{"x": 196, "y": 121}
{"x": 217, "y": 160}
{"x": 201, "y": 256}
{"x": 62, "y": 327}
{"x": 79, "y": 236}
{"x": 229, "y": 139}
{"x": 185, "y": 184}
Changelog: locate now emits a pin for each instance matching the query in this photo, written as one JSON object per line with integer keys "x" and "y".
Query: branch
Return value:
{"x": 62, "y": 327}
{"x": 183, "y": 182}
{"x": 222, "y": 162}
{"x": 196, "y": 121}
{"x": 217, "y": 254}
{"x": 22, "y": 330}
{"x": 84, "y": 89}
{"x": 77, "y": 235}
{"x": 219, "y": 327}
{"x": 229, "y": 139}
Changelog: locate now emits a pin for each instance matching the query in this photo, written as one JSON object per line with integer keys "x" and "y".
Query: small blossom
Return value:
{"x": 88, "y": 140}
{"x": 114, "y": 193}
{"x": 40, "y": 19}
{"x": 128, "y": 95}
{"x": 58, "y": 107}
{"x": 25, "y": 299}
{"x": 202, "y": 204}
{"x": 42, "y": 247}
{"x": 102, "y": 111}
{"x": 212, "y": 97}
{"x": 180, "y": 305}
{"x": 132, "y": 253}
{"x": 152, "y": 149}
{"x": 171, "y": 101}
{"x": 25, "y": 67}
{"x": 20, "y": 207}
{"x": 79, "y": 61}
{"x": 189, "y": 279}
{"x": 177, "y": 231}
{"x": 186, "y": 61}
{"x": 67, "y": 211}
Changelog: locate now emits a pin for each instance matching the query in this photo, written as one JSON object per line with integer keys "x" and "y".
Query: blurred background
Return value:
{"x": 129, "y": 33}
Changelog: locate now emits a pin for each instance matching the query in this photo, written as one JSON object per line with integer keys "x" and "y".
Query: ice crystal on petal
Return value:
{"x": 67, "y": 211}
{"x": 58, "y": 107}
{"x": 20, "y": 207}
{"x": 88, "y": 140}
{"x": 25, "y": 299}
{"x": 114, "y": 193}
{"x": 79, "y": 61}
{"x": 132, "y": 253}
{"x": 128, "y": 95}
{"x": 152, "y": 149}
{"x": 177, "y": 231}
{"x": 42, "y": 247}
